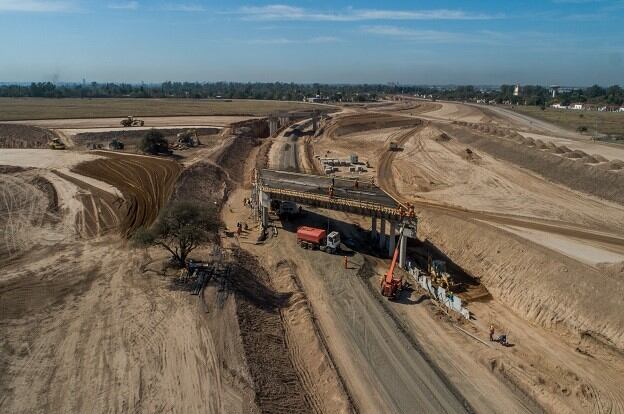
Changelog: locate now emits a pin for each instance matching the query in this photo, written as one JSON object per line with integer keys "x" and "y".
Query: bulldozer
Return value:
{"x": 56, "y": 144}
{"x": 131, "y": 121}
{"x": 439, "y": 275}
{"x": 187, "y": 139}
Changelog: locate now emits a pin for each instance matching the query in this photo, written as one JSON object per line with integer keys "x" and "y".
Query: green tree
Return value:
{"x": 180, "y": 228}
{"x": 154, "y": 142}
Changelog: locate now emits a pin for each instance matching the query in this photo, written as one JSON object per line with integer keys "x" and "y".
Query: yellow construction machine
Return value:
{"x": 439, "y": 275}
{"x": 56, "y": 144}
{"x": 132, "y": 121}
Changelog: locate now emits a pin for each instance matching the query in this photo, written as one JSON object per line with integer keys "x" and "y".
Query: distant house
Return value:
{"x": 316, "y": 99}
{"x": 610, "y": 108}
{"x": 577, "y": 106}
{"x": 558, "y": 106}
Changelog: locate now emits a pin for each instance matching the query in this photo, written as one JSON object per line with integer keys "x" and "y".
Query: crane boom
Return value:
{"x": 390, "y": 285}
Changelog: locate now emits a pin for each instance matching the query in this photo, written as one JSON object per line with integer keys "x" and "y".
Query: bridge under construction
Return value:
{"x": 340, "y": 194}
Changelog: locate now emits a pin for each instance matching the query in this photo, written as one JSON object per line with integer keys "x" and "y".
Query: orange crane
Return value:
{"x": 389, "y": 285}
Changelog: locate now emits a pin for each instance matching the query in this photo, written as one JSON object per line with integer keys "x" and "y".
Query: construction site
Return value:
{"x": 400, "y": 256}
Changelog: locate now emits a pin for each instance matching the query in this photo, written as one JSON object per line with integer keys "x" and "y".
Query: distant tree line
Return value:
{"x": 195, "y": 90}
{"x": 530, "y": 94}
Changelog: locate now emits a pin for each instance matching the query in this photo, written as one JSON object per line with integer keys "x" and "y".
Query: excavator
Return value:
{"x": 390, "y": 286}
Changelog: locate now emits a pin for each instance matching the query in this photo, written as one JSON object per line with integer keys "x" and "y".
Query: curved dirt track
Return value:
{"x": 145, "y": 182}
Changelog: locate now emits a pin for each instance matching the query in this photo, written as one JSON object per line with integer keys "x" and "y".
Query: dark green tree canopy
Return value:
{"x": 154, "y": 142}
{"x": 180, "y": 228}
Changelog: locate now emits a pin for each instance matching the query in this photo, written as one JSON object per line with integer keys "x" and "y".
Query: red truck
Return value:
{"x": 313, "y": 238}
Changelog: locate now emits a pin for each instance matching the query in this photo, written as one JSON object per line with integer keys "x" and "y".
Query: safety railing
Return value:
{"x": 339, "y": 201}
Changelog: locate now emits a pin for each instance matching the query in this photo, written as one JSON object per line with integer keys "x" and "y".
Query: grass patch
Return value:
{"x": 609, "y": 123}
{"x": 15, "y": 109}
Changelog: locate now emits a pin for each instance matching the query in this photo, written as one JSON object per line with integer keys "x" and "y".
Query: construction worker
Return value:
{"x": 492, "y": 333}
{"x": 331, "y": 191}
{"x": 355, "y": 184}
{"x": 346, "y": 262}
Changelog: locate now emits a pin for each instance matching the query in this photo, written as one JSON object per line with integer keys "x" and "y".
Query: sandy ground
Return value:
{"x": 90, "y": 325}
{"x": 43, "y": 158}
{"x": 454, "y": 112}
{"x": 381, "y": 370}
{"x": 545, "y": 223}
{"x": 94, "y": 334}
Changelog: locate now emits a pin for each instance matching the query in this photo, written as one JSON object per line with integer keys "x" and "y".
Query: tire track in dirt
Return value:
{"x": 145, "y": 182}
{"x": 385, "y": 178}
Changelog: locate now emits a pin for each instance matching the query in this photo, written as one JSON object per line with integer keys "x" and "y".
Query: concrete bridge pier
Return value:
{"x": 265, "y": 217}
{"x": 315, "y": 121}
{"x": 374, "y": 228}
{"x": 402, "y": 252}
{"x": 382, "y": 234}
{"x": 392, "y": 241}
{"x": 273, "y": 125}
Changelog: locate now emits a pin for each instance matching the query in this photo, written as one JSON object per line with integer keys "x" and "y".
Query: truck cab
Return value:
{"x": 333, "y": 242}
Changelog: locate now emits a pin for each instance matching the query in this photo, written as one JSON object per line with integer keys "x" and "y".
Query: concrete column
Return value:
{"x": 392, "y": 243}
{"x": 374, "y": 228}
{"x": 265, "y": 217}
{"x": 273, "y": 126}
{"x": 382, "y": 234}
{"x": 402, "y": 252}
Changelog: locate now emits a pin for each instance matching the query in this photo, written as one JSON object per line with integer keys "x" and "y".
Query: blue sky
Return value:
{"x": 567, "y": 42}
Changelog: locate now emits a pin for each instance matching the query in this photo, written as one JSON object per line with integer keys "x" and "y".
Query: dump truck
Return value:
{"x": 314, "y": 238}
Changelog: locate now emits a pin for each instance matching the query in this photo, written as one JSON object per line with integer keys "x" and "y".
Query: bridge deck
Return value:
{"x": 367, "y": 199}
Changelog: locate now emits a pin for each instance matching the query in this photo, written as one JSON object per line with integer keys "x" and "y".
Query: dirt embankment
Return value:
{"x": 131, "y": 138}
{"x": 24, "y": 136}
{"x": 353, "y": 123}
{"x": 210, "y": 180}
{"x": 549, "y": 291}
{"x": 569, "y": 171}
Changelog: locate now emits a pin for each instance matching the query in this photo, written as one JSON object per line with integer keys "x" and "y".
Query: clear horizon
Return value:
{"x": 565, "y": 42}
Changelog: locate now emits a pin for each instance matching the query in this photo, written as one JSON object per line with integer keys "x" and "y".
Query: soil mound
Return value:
{"x": 599, "y": 158}
{"x": 615, "y": 165}
{"x": 576, "y": 154}
{"x": 24, "y": 136}
{"x": 131, "y": 138}
{"x": 600, "y": 180}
